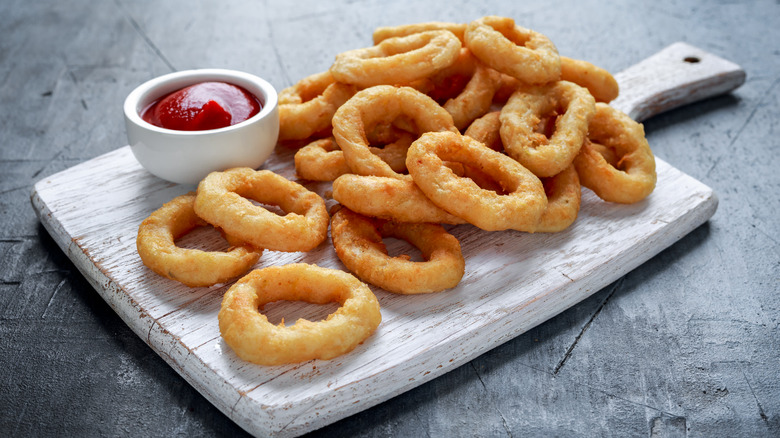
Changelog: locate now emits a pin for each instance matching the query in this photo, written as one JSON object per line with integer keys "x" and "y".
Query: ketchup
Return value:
{"x": 203, "y": 106}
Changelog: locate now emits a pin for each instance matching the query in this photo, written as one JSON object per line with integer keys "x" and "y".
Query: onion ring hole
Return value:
{"x": 285, "y": 312}
{"x": 403, "y": 249}
{"x": 204, "y": 238}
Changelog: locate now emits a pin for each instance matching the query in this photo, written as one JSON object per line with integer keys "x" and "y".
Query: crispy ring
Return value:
{"x": 307, "y": 107}
{"x": 465, "y": 89}
{"x": 450, "y": 81}
{"x": 399, "y": 60}
{"x": 385, "y": 32}
{"x": 521, "y": 53}
{"x": 253, "y": 338}
{"x": 390, "y": 143}
{"x": 222, "y": 201}
{"x": 475, "y": 99}
{"x": 633, "y": 175}
{"x": 156, "y": 245}
{"x": 358, "y": 243}
{"x": 609, "y": 154}
{"x": 562, "y": 110}
{"x": 519, "y": 208}
{"x": 563, "y": 201}
{"x": 389, "y": 198}
{"x": 508, "y": 87}
{"x": 322, "y": 160}
{"x": 601, "y": 84}
{"x": 487, "y": 130}
{"x": 379, "y": 105}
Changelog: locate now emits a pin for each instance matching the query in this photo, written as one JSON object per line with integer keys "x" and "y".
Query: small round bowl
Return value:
{"x": 186, "y": 157}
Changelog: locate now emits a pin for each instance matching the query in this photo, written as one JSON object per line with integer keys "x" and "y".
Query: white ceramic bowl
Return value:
{"x": 186, "y": 157}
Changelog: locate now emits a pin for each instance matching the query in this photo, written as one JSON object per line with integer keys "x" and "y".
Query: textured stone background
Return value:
{"x": 685, "y": 345}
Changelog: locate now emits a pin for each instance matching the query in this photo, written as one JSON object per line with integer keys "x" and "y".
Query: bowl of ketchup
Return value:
{"x": 184, "y": 125}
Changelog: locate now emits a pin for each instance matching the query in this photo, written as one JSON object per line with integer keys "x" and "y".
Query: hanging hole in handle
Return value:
{"x": 692, "y": 59}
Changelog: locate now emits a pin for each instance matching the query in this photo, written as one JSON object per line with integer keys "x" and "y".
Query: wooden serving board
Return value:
{"x": 513, "y": 280}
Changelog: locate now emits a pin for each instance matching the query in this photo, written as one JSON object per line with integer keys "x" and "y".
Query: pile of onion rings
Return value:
{"x": 224, "y": 201}
{"x": 507, "y": 88}
{"x": 477, "y": 124}
{"x": 502, "y": 131}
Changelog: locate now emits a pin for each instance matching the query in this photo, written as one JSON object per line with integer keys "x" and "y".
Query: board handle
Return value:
{"x": 677, "y": 75}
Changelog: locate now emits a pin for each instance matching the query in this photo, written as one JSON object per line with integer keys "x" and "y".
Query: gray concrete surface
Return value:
{"x": 685, "y": 345}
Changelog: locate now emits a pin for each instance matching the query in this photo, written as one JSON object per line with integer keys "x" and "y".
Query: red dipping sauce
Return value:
{"x": 203, "y": 106}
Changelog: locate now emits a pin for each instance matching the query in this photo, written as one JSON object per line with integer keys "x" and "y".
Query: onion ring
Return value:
{"x": 253, "y": 338}
{"x": 390, "y": 144}
{"x": 519, "y": 209}
{"x": 475, "y": 100}
{"x": 563, "y": 201}
{"x": 156, "y": 246}
{"x": 307, "y": 107}
{"x": 222, "y": 201}
{"x": 609, "y": 154}
{"x": 521, "y": 53}
{"x": 389, "y": 198}
{"x": 450, "y": 81}
{"x": 382, "y": 33}
{"x": 601, "y": 84}
{"x": 322, "y": 160}
{"x": 465, "y": 89}
{"x": 487, "y": 130}
{"x": 632, "y": 177}
{"x": 378, "y": 105}
{"x": 566, "y": 106}
{"x": 358, "y": 243}
{"x": 508, "y": 87}
{"x": 396, "y": 61}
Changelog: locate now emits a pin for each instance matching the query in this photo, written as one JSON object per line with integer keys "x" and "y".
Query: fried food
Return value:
{"x": 563, "y": 201}
{"x": 385, "y": 32}
{"x": 307, "y": 107}
{"x": 476, "y": 98}
{"x": 323, "y": 160}
{"x": 224, "y": 200}
{"x": 543, "y": 127}
{"x": 384, "y": 124}
{"x": 320, "y": 160}
{"x": 389, "y": 198}
{"x": 379, "y": 105}
{"x": 519, "y": 208}
{"x": 631, "y": 177}
{"x": 253, "y": 338}
{"x": 465, "y": 89}
{"x": 398, "y": 60}
{"x": 450, "y": 81}
{"x": 358, "y": 243}
{"x": 156, "y": 246}
{"x": 487, "y": 130}
{"x": 601, "y": 84}
{"x": 514, "y": 50}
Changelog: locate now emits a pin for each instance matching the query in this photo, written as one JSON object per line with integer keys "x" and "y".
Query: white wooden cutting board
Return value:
{"x": 513, "y": 281}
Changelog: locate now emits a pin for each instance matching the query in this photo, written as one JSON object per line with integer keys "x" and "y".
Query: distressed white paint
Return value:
{"x": 513, "y": 281}
{"x": 675, "y": 76}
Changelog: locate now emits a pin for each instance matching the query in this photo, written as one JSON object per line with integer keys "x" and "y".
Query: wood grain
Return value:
{"x": 676, "y": 76}
{"x": 513, "y": 282}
